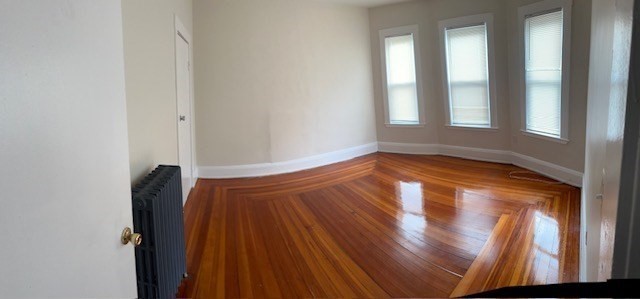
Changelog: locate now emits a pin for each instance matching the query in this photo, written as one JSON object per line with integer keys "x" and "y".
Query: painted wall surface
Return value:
{"x": 280, "y": 80}
{"x": 149, "y": 51}
{"x": 570, "y": 155}
{"x": 508, "y": 137}
{"x": 65, "y": 194}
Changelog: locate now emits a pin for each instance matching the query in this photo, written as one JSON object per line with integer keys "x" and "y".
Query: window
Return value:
{"x": 545, "y": 27}
{"x": 401, "y": 76}
{"x": 467, "y": 75}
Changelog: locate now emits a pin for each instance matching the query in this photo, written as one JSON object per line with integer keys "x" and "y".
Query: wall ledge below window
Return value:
{"x": 544, "y": 137}
{"x": 408, "y": 126}
{"x": 472, "y": 128}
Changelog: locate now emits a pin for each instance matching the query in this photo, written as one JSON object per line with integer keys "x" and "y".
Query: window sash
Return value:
{"x": 467, "y": 69}
{"x": 401, "y": 79}
{"x": 543, "y": 72}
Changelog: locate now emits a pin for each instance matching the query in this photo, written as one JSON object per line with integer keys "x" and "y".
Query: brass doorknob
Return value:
{"x": 129, "y": 236}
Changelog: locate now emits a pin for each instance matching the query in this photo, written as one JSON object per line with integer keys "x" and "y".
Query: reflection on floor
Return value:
{"x": 378, "y": 226}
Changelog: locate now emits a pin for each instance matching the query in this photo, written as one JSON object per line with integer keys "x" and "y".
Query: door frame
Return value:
{"x": 181, "y": 32}
{"x": 627, "y": 238}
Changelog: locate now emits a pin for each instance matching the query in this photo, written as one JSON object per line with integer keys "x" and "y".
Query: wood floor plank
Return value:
{"x": 381, "y": 225}
{"x": 358, "y": 280}
{"x": 393, "y": 260}
{"x": 287, "y": 274}
{"x": 405, "y": 235}
{"x": 307, "y": 256}
{"x": 262, "y": 279}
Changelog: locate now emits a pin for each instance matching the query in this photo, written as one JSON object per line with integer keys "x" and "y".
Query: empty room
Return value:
{"x": 319, "y": 148}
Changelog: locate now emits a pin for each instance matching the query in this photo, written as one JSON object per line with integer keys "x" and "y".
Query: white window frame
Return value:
{"x": 539, "y": 8}
{"x": 467, "y": 21}
{"x": 400, "y": 31}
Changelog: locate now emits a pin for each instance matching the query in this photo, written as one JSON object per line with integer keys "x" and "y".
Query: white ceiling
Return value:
{"x": 366, "y": 3}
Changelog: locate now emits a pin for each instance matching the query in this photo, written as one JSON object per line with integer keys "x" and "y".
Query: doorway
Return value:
{"x": 184, "y": 100}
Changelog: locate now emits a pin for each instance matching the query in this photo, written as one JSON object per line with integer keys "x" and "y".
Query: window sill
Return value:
{"x": 545, "y": 137}
{"x": 472, "y": 128}
{"x": 409, "y": 126}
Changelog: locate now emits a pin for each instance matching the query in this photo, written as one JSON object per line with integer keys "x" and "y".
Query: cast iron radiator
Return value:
{"x": 157, "y": 215}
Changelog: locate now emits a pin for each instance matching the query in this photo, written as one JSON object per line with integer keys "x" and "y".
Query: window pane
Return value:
{"x": 467, "y": 70}
{"x": 401, "y": 80}
{"x": 543, "y": 73}
{"x": 403, "y": 107}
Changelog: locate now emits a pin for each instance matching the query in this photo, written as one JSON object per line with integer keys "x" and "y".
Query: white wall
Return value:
{"x": 426, "y": 14}
{"x": 149, "y": 51}
{"x": 280, "y": 80}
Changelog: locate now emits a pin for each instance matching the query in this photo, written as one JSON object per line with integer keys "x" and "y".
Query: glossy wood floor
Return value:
{"x": 382, "y": 225}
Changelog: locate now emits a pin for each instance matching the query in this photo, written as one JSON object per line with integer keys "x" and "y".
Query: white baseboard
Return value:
{"x": 560, "y": 173}
{"x": 408, "y": 148}
{"x": 264, "y": 169}
{"x": 479, "y": 154}
{"x": 551, "y": 170}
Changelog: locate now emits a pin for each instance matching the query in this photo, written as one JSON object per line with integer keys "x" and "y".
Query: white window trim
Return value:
{"x": 539, "y": 8}
{"x": 472, "y": 128}
{"x": 545, "y": 137}
{"x": 398, "y": 31}
{"x": 466, "y": 21}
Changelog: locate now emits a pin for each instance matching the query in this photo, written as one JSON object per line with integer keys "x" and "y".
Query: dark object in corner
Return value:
{"x": 157, "y": 215}
{"x": 615, "y": 288}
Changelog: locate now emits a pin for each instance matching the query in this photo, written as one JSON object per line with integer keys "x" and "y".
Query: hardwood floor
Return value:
{"x": 382, "y": 225}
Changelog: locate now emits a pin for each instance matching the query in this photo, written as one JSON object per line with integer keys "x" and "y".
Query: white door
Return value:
{"x": 64, "y": 175}
{"x": 619, "y": 78}
{"x": 183, "y": 97}
{"x": 608, "y": 78}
